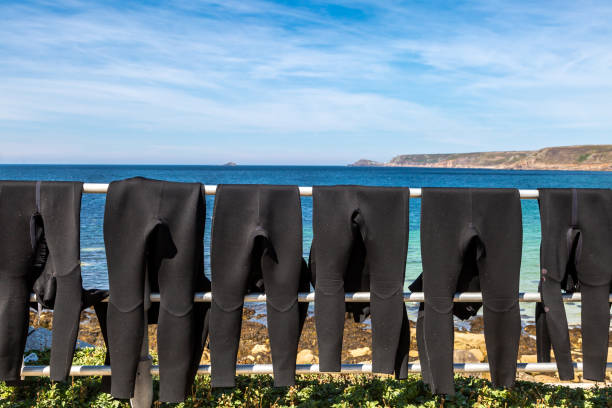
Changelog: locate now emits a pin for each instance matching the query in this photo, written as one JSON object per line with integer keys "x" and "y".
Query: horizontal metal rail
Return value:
{"x": 414, "y": 297}
{"x": 101, "y": 188}
{"x": 83, "y": 371}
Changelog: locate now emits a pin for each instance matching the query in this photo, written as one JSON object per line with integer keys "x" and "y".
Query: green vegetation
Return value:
{"x": 583, "y": 157}
{"x": 310, "y": 391}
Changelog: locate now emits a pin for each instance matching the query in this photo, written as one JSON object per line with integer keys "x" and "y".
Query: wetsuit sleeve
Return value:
{"x": 61, "y": 207}
{"x": 543, "y": 345}
{"x": 553, "y": 328}
{"x": 555, "y": 251}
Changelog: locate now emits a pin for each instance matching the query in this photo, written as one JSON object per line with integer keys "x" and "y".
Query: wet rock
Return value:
{"x": 360, "y": 352}
{"x": 545, "y": 378}
{"x": 306, "y": 357}
{"x": 40, "y": 339}
{"x": 464, "y": 356}
{"x": 260, "y": 348}
{"x": 480, "y": 356}
{"x": 469, "y": 341}
{"x": 205, "y": 357}
{"x": 528, "y": 358}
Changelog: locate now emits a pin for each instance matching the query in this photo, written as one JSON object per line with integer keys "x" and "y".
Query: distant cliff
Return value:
{"x": 588, "y": 157}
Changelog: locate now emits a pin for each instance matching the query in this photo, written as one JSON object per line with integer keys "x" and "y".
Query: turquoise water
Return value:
{"x": 92, "y": 244}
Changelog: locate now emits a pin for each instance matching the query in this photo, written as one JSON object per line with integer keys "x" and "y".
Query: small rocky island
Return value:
{"x": 586, "y": 157}
{"x": 230, "y": 164}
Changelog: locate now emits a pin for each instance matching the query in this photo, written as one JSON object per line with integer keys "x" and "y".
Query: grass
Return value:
{"x": 310, "y": 391}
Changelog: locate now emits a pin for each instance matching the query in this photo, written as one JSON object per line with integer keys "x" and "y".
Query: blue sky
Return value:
{"x": 261, "y": 82}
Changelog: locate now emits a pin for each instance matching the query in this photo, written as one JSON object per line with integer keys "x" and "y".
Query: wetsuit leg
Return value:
{"x": 234, "y": 221}
{"x": 551, "y": 321}
{"x": 469, "y": 281}
{"x": 101, "y": 309}
{"x": 423, "y": 356}
{"x": 595, "y": 330}
{"x": 543, "y": 343}
{"x": 333, "y": 209}
{"x": 403, "y": 348}
{"x": 554, "y": 330}
{"x": 17, "y": 205}
{"x": 594, "y": 266}
{"x": 281, "y": 218}
{"x": 496, "y": 214}
{"x": 178, "y": 259}
{"x": 60, "y": 207}
{"x": 383, "y": 220}
{"x": 444, "y": 212}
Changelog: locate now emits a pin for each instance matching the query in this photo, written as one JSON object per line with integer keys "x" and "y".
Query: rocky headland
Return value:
{"x": 586, "y": 157}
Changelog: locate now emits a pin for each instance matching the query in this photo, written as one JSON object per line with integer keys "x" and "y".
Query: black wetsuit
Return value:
{"x": 153, "y": 233}
{"x": 483, "y": 227}
{"x": 360, "y": 242}
{"x": 576, "y": 255}
{"x": 257, "y": 225}
{"x": 39, "y": 251}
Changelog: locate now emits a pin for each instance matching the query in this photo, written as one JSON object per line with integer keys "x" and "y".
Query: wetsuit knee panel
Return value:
{"x": 385, "y": 289}
{"x": 595, "y": 273}
{"x": 500, "y": 305}
{"x": 442, "y": 305}
{"x": 328, "y": 286}
{"x": 228, "y": 303}
{"x": 175, "y": 309}
{"x": 282, "y": 305}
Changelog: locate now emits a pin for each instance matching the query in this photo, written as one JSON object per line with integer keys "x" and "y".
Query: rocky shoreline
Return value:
{"x": 356, "y": 346}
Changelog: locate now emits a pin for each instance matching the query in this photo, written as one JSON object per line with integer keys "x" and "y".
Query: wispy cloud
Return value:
{"x": 263, "y": 82}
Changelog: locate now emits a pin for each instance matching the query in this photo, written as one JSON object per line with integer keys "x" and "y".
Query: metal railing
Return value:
{"x": 244, "y": 369}
{"x": 101, "y": 188}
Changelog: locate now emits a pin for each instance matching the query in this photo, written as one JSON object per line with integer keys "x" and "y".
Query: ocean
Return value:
{"x": 92, "y": 243}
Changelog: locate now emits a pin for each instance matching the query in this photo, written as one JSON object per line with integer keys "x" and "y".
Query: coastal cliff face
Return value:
{"x": 588, "y": 157}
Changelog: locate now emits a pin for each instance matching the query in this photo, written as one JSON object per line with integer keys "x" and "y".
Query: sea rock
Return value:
{"x": 307, "y": 357}
{"x": 364, "y": 163}
{"x": 480, "y": 356}
{"x": 541, "y": 378}
{"x": 360, "y": 352}
{"x": 465, "y": 356}
{"x": 528, "y": 358}
{"x": 468, "y": 341}
{"x": 40, "y": 339}
{"x": 260, "y": 349}
{"x": 205, "y": 357}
